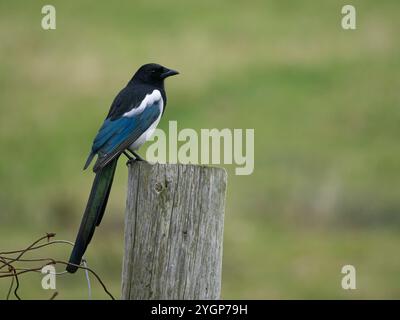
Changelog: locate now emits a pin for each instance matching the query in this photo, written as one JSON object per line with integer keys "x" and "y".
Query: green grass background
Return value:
{"x": 324, "y": 103}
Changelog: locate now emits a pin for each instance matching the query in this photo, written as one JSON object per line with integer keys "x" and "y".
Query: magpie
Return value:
{"x": 134, "y": 115}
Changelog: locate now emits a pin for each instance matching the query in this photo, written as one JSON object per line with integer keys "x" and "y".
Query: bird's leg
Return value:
{"x": 130, "y": 159}
{"x": 137, "y": 157}
{"x": 127, "y": 155}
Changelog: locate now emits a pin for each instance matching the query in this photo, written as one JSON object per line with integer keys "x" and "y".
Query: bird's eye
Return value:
{"x": 153, "y": 71}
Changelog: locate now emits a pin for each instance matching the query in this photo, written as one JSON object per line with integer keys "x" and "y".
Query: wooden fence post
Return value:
{"x": 173, "y": 232}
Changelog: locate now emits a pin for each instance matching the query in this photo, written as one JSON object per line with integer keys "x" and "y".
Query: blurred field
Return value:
{"x": 324, "y": 104}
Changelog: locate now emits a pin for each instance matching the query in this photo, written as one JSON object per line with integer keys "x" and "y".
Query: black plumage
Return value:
{"x": 134, "y": 111}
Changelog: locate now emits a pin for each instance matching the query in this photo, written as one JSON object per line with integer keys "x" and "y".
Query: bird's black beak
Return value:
{"x": 168, "y": 73}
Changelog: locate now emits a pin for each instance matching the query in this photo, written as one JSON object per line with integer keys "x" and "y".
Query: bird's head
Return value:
{"x": 153, "y": 73}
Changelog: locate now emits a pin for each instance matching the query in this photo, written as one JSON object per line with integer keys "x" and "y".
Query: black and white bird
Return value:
{"x": 132, "y": 119}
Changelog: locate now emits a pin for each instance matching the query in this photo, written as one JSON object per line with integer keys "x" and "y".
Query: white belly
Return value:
{"x": 145, "y": 136}
{"x": 150, "y": 99}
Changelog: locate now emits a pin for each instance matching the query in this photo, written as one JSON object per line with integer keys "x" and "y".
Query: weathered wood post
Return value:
{"x": 173, "y": 232}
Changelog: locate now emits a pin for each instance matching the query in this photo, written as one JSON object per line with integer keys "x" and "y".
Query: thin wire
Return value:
{"x": 87, "y": 278}
{"x": 10, "y": 289}
{"x": 35, "y": 246}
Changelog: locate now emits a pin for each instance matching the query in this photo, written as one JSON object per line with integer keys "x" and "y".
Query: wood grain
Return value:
{"x": 173, "y": 232}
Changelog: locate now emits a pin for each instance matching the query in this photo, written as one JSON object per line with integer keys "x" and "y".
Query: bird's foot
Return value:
{"x": 137, "y": 157}
{"x": 130, "y": 162}
{"x": 130, "y": 159}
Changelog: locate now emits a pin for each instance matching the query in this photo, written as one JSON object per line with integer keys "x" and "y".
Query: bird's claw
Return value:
{"x": 138, "y": 158}
{"x": 133, "y": 160}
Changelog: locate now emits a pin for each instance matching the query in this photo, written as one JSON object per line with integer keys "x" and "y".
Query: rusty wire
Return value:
{"x": 14, "y": 270}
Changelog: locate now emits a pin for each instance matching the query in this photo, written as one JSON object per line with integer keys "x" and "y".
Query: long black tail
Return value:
{"x": 93, "y": 213}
